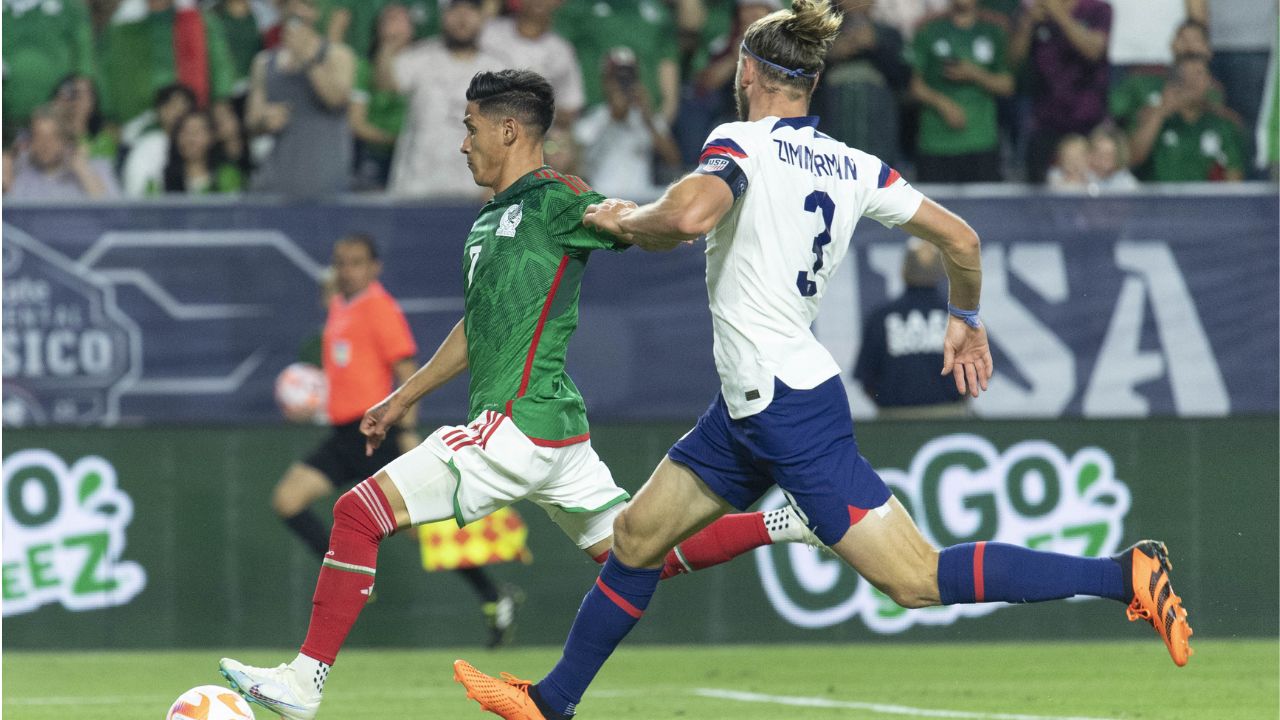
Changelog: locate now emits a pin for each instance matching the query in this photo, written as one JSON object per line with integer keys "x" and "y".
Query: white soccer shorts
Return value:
{"x": 469, "y": 471}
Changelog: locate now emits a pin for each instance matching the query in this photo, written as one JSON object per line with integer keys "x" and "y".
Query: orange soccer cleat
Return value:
{"x": 507, "y": 697}
{"x": 1153, "y": 598}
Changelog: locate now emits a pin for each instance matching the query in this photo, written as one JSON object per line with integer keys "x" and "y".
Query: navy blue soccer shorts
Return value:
{"x": 803, "y": 442}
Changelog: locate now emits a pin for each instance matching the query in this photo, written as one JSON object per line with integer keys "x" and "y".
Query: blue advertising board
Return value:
{"x": 1151, "y": 304}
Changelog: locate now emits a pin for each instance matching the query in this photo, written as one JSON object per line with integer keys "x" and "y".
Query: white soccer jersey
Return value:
{"x": 799, "y": 194}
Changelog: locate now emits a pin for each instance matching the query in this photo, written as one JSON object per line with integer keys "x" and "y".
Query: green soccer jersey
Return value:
{"x": 136, "y": 59}
{"x": 939, "y": 42}
{"x": 1197, "y": 151}
{"x": 42, "y": 42}
{"x": 384, "y": 109}
{"x": 244, "y": 41}
{"x": 594, "y": 27}
{"x": 522, "y": 270}
{"x": 1140, "y": 90}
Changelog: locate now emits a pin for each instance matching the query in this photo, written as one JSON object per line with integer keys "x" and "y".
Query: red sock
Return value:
{"x": 721, "y": 541}
{"x": 362, "y": 517}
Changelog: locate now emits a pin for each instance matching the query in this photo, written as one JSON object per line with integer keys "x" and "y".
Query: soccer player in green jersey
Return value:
{"x": 528, "y": 437}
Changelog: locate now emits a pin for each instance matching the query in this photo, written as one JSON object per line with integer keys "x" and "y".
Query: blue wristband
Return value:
{"x": 970, "y": 317}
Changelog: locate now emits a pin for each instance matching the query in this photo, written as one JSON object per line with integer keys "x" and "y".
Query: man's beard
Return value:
{"x": 455, "y": 44}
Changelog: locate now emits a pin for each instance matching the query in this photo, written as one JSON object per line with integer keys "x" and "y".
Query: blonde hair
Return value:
{"x": 795, "y": 39}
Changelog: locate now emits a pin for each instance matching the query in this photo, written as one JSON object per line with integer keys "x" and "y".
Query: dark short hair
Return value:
{"x": 522, "y": 94}
{"x": 164, "y": 94}
{"x": 359, "y": 238}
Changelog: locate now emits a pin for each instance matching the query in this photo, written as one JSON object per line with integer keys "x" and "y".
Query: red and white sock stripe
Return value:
{"x": 376, "y": 504}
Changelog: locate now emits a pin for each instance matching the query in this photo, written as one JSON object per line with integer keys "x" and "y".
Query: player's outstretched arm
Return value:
{"x": 966, "y": 355}
{"x": 685, "y": 212}
{"x": 449, "y": 360}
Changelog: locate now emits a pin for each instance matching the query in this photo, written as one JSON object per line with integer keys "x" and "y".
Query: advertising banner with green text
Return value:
{"x": 116, "y": 538}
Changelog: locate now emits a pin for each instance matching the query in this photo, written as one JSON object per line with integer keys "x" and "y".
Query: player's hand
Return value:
{"x": 607, "y": 217}
{"x": 966, "y": 356}
{"x": 377, "y": 420}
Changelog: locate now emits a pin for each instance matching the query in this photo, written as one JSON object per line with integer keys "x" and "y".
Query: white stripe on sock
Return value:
{"x": 368, "y": 507}
{"x": 683, "y": 562}
{"x": 351, "y": 567}
{"x": 375, "y": 507}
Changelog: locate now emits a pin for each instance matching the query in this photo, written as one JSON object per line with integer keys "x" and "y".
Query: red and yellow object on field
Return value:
{"x": 497, "y": 538}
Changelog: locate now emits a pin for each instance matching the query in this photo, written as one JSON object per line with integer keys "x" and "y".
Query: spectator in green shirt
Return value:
{"x": 196, "y": 164}
{"x": 1186, "y": 137}
{"x": 1143, "y": 87}
{"x": 376, "y": 112}
{"x": 43, "y": 41}
{"x": 960, "y": 70}
{"x": 243, "y": 36}
{"x": 137, "y": 58}
{"x": 76, "y": 99}
{"x": 595, "y": 27}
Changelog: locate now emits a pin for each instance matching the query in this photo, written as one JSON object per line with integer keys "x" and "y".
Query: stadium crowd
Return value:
{"x": 305, "y": 98}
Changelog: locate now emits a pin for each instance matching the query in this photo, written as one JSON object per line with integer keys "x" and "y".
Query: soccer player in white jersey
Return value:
{"x": 778, "y": 201}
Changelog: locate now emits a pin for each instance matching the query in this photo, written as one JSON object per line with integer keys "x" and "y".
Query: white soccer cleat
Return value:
{"x": 784, "y": 525}
{"x": 277, "y": 689}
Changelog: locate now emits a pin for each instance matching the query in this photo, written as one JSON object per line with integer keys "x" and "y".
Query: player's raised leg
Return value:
{"x": 362, "y": 518}
{"x": 888, "y": 550}
{"x": 672, "y": 505}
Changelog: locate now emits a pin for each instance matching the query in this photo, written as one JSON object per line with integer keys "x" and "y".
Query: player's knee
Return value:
{"x": 363, "y": 509}
{"x": 630, "y": 544}
{"x": 346, "y": 507}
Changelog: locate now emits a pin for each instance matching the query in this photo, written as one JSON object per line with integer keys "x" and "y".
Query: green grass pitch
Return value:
{"x": 1235, "y": 680}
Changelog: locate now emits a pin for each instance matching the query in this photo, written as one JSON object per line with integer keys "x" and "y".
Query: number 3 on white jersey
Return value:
{"x": 817, "y": 201}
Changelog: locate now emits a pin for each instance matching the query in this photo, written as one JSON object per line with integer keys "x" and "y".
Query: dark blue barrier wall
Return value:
{"x": 1116, "y": 307}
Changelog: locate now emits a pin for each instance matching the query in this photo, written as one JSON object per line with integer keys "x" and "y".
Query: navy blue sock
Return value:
{"x": 997, "y": 572}
{"x": 607, "y": 614}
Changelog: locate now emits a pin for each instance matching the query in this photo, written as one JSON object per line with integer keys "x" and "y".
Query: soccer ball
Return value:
{"x": 209, "y": 702}
{"x": 302, "y": 391}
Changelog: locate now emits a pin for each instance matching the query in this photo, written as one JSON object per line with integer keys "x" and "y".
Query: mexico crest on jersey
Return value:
{"x": 510, "y": 221}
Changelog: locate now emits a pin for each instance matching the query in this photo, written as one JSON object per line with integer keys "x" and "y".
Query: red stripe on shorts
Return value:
{"x": 484, "y": 439}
